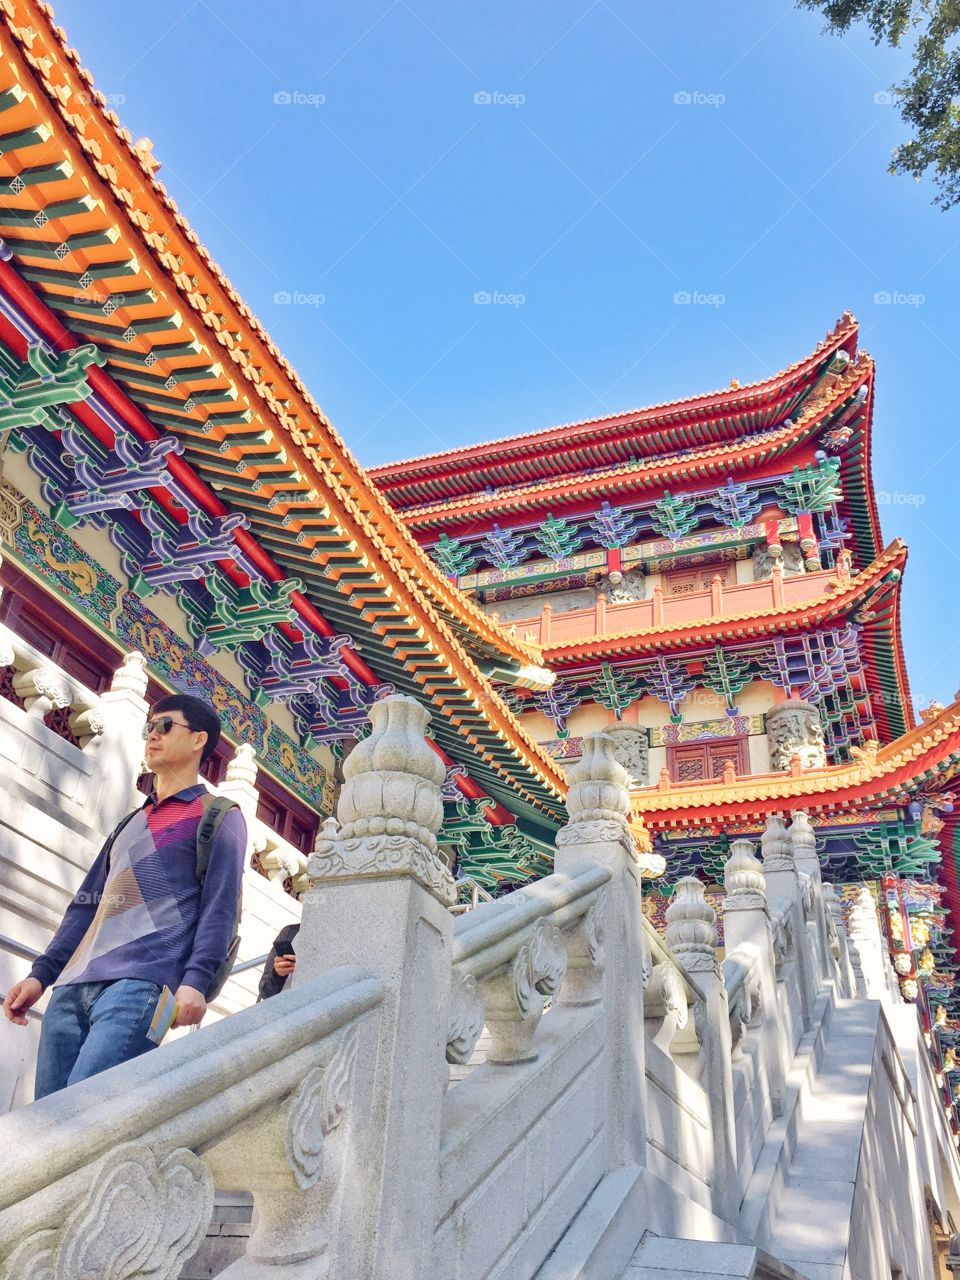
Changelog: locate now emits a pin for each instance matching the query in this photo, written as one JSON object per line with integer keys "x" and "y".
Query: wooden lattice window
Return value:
{"x": 290, "y": 819}
{"x": 684, "y": 582}
{"x": 6, "y": 686}
{"x": 701, "y": 761}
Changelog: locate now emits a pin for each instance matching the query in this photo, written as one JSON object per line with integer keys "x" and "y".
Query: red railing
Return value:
{"x": 605, "y": 619}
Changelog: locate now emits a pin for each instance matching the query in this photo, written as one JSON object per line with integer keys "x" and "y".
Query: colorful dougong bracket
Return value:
{"x": 615, "y": 690}
{"x": 558, "y": 702}
{"x": 111, "y": 479}
{"x": 674, "y": 516}
{"x": 558, "y": 539}
{"x": 45, "y": 380}
{"x": 502, "y": 548}
{"x": 173, "y": 552}
{"x": 300, "y": 667}
{"x": 669, "y": 681}
{"x": 239, "y": 614}
{"x": 613, "y": 527}
{"x": 734, "y": 504}
{"x": 331, "y": 714}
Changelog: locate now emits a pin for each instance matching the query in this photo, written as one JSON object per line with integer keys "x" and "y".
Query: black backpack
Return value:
{"x": 215, "y": 809}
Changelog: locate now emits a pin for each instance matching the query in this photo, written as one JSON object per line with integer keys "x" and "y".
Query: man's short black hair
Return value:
{"x": 199, "y": 715}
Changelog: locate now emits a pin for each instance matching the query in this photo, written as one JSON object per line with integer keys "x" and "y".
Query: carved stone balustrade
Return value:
{"x": 692, "y": 938}
{"x": 667, "y": 1000}
{"x": 750, "y": 967}
{"x": 804, "y": 840}
{"x": 670, "y": 1002}
{"x": 598, "y": 804}
{"x": 692, "y": 927}
{"x": 839, "y": 942}
{"x": 273, "y": 1100}
{"x": 380, "y": 897}
{"x": 43, "y": 687}
{"x": 781, "y": 929}
{"x": 784, "y": 890}
{"x": 511, "y": 956}
{"x": 743, "y": 980}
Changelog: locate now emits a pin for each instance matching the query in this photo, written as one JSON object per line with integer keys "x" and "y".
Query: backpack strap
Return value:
{"x": 112, "y": 837}
{"x": 215, "y": 809}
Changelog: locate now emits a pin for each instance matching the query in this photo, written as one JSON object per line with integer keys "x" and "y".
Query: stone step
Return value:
{"x": 665, "y": 1258}
{"x": 226, "y": 1238}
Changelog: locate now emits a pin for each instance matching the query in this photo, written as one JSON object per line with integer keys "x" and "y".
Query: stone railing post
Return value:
{"x": 240, "y": 781}
{"x": 598, "y": 805}
{"x": 783, "y": 887}
{"x": 123, "y": 709}
{"x": 692, "y": 937}
{"x": 838, "y": 930}
{"x": 868, "y": 950}
{"x": 807, "y": 862}
{"x": 746, "y": 922}
{"x": 380, "y": 899}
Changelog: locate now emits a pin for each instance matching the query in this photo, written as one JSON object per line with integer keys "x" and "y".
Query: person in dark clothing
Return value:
{"x": 280, "y": 963}
{"x": 141, "y": 920}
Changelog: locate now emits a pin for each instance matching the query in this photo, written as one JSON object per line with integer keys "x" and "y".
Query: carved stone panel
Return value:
{"x": 631, "y": 749}
{"x": 140, "y": 1217}
{"x": 795, "y": 728}
{"x": 624, "y": 588}
{"x": 792, "y": 561}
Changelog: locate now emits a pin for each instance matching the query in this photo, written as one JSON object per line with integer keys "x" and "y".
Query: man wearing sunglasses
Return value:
{"x": 144, "y": 917}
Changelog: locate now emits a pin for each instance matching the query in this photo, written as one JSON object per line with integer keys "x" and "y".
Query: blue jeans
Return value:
{"x": 90, "y": 1026}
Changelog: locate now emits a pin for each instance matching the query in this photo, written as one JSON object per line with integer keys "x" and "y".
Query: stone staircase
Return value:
{"x": 541, "y": 1087}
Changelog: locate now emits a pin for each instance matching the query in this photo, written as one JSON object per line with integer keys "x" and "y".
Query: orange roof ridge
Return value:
{"x": 330, "y": 453}
{"x": 845, "y": 326}
{"x": 175, "y": 259}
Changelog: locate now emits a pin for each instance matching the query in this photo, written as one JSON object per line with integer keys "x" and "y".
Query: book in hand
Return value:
{"x": 164, "y": 1016}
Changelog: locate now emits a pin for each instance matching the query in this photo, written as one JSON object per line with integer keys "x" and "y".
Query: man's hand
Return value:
{"x": 21, "y": 997}
{"x": 283, "y": 966}
{"x": 192, "y": 1006}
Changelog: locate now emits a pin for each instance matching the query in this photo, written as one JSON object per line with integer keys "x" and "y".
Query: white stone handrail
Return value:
{"x": 626, "y": 1073}
{"x": 782, "y": 931}
{"x": 660, "y": 953}
{"x": 126, "y": 1162}
{"x": 477, "y": 895}
{"x": 44, "y": 687}
{"x": 512, "y": 955}
{"x": 278, "y": 857}
{"x": 490, "y": 936}
{"x": 739, "y": 967}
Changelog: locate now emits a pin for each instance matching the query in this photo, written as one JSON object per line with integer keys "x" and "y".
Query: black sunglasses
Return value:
{"x": 162, "y": 724}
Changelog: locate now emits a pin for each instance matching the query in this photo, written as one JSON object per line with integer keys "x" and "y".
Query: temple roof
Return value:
{"x": 845, "y": 397}
{"x": 97, "y": 252}
{"x": 601, "y": 444}
{"x": 927, "y": 754}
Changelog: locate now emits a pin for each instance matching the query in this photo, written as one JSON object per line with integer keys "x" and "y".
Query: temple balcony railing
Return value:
{"x": 551, "y": 628}
{"x": 30, "y": 680}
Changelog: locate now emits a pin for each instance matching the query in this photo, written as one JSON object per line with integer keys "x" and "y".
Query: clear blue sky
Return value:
{"x": 335, "y": 155}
